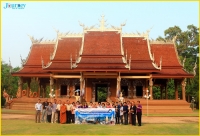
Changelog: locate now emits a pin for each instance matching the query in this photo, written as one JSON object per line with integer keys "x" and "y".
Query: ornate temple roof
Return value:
{"x": 102, "y": 49}
{"x": 39, "y": 53}
{"x": 138, "y": 49}
{"x": 171, "y": 65}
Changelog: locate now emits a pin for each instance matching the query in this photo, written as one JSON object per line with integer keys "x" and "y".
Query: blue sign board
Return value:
{"x": 95, "y": 116}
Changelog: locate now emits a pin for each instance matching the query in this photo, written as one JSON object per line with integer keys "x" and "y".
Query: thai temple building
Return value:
{"x": 106, "y": 57}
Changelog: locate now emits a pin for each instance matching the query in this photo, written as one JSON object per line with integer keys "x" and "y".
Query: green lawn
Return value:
{"x": 28, "y": 127}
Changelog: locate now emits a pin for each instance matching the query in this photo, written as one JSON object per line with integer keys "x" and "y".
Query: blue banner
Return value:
{"x": 95, "y": 116}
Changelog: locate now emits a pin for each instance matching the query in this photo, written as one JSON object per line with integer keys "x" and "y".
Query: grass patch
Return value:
{"x": 28, "y": 127}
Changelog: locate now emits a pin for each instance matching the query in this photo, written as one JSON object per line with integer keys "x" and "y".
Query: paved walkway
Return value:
{"x": 144, "y": 119}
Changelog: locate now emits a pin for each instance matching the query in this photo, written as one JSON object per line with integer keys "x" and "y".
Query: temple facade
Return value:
{"x": 106, "y": 57}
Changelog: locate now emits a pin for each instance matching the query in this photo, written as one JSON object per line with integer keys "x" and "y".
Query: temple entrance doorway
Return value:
{"x": 77, "y": 89}
{"x": 63, "y": 90}
{"x": 139, "y": 91}
{"x": 124, "y": 91}
{"x": 101, "y": 92}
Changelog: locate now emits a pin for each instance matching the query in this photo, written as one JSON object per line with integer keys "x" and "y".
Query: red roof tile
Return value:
{"x": 37, "y": 51}
{"x": 102, "y": 60}
{"x": 67, "y": 47}
{"x": 137, "y": 47}
{"x": 172, "y": 73}
{"x": 101, "y": 67}
{"x": 27, "y": 70}
{"x": 59, "y": 65}
{"x": 168, "y": 54}
{"x": 142, "y": 65}
{"x": 33, "y": 64}
{"x": 102, "y": 43}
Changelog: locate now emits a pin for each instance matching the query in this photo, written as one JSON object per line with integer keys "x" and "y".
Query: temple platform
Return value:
{"x": 154, "y": 106}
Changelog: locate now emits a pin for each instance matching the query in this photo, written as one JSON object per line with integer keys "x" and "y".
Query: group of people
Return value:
{"x": 64, "y": 112}
{"x": 127, "y": 112}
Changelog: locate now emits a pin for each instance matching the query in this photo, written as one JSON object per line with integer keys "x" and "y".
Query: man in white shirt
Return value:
{"x": 38, "y": 108}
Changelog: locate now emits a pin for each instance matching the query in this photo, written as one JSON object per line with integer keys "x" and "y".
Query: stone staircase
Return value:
{"x": 154, "y": 106}
{"x": 26, "y": 103}
{"x": 165, "y": 106}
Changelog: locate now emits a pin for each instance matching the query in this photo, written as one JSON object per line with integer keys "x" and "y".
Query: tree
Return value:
{"x": 156, "y": 92}
{"x": 3, "y": 100}
{"x": 101, "y": 94}
{"x": 171, "y": 32}
{"x": 8, "y": 82}
{"x": 171, "y": 89}
{"x": 47, "y": 92}
{"x": 34, "y": 85}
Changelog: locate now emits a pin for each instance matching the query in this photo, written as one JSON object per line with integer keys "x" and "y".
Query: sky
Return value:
{"x": 39, "y": 18}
